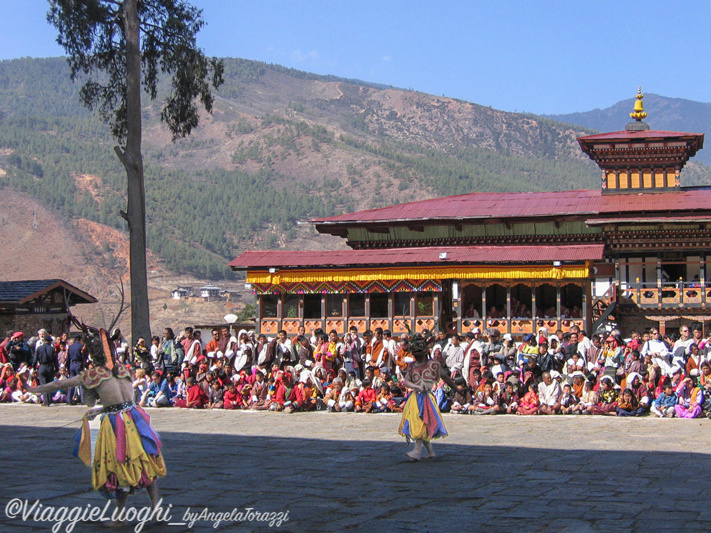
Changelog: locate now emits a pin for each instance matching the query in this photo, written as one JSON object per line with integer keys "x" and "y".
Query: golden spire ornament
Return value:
{"x": 639, "y": 113}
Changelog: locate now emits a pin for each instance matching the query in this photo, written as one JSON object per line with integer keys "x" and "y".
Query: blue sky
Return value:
{"x": 535, "y": 56}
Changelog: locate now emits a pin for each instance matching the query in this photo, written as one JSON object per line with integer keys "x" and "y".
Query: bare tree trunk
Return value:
{"x": 133, "y": 163}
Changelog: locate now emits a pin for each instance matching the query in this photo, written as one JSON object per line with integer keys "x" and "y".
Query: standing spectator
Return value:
{"x": 18, "y": 350}
{"x": 121, "y": 346}
{"x": 454, "y": 357}
{"x": 46, "y": 364}
{"x": 76, "y": 357}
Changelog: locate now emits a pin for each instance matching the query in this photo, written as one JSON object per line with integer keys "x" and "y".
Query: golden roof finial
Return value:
{"x": 639, "y": 113}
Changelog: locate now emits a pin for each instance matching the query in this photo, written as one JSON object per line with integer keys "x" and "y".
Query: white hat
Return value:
{"x": 555, "y": 374}
{"x": 507, "y": 337}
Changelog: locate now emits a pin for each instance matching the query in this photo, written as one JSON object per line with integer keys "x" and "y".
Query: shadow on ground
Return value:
{"x": 369, "y": 486}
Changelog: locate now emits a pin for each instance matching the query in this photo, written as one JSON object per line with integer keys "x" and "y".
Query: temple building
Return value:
{"x": 28, "y": 305}
{"x": 632, "y": 253}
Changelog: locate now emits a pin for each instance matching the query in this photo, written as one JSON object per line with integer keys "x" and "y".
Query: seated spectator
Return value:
{"x": 499, "y": 385}
{"x": 576, "y": 363}
{"x": 384, "y": 401}
{"x": 549, "y": 393}
{"x": 690, "y": 399}
{"x": 303, "y": 396}
{"x": 232, "y": 399}
{"x": 607, "y": 401}
{"x": 215, "y": 398}
{"x": 693, "y": 363}
{"x": 366, "y": 398}
{"x": 260, "y": 391}
{"x": 158, "y": 393}
{"x": 628, "y": 404}
{"x": 375, "y": 381}
{"x": 509, "y": 400}
{"x": 588, "y": 399}
{"x": 486, "y": 401}
{"x": 348, "y": 399}
{"x": 462, "y": 401}
{"x": 568, "y": 400}
{"x": 196, "y": 397}
{"x": 8, "y": 389}
{"x": 663, "y": 405}
{"x": 140, "y": 385}
{"x": 578, "y": 384}
{"x": 635, "y": 384}
{"x": 529, "y": 403}
{"x": 333, "y": 396}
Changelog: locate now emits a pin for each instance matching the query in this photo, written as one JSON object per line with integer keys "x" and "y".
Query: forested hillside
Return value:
{"x": 282, "y": 147}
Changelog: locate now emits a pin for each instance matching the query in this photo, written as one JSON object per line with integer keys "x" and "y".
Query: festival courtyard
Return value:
{"x": 347, "y": 472}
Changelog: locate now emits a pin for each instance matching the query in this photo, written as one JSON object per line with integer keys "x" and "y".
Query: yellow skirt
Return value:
{"x": 127, "y": 454}
{"x": 421, "y": 418}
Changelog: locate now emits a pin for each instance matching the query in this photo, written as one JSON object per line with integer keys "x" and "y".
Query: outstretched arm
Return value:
{"x": 447, "y": 379}
{"x": 54, "y": 386}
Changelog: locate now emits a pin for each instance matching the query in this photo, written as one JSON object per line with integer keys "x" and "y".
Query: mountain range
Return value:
{"x": 283, "y": 146}
{"x": 667, "y": 114}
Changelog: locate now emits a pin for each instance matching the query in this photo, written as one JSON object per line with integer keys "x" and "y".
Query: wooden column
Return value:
{"x": 437, "y": 312}
{"x": 280, "y": 310}
{"x": 533, "y": 301}
{"x": 660, "y": 279}
{"x": 258, "y": 314}
{"x": 587, "y": 302}
{"x": 391, "y": 310}
{"x": 508, "y": 308}
{"x": 702, "y": 279}
{"x": 344, "y": 306}
{"x": 413, "y": 311}
{"x": 557, "y": 302}
{"x": 323, "y": 312}
{"x": 457, "y": 304}
{"x": 367, "y": 311}
{"x": 483, "y": 308}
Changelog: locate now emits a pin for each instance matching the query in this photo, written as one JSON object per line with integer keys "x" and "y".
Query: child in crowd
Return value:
{"x": 568, "y": 400}
{"x": 366, "y": 398}
{"x": 462, "y": 401}
{"x": 663, "y": 405}
{"x": 509, "y": 400}
{"x": 529, "y": 402}
{"x": 628, "y": 404}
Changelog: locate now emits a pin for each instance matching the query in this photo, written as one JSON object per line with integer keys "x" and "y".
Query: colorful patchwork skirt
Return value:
{"x": 421, "y": 419}
{"x": 127, "y": 453}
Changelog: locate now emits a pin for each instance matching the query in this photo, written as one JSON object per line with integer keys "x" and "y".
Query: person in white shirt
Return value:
{"x": 682, "y": 347}
{"x": 658, "y": 350}
{"x": 549, "y": 393}
{"x": 453, "y": 355}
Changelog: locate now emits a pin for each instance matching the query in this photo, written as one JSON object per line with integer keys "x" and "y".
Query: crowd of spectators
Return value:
{"x": 547, "y": 373}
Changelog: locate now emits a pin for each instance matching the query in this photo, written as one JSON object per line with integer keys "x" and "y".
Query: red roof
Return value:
{"x": 490, "y": 205}
{"x": 423, "y": 255}
{"x": 638, "y": 135}
{"x": 647, "y": 220}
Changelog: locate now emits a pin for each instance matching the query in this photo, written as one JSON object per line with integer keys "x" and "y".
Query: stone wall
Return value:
{"x": 28, "y": 323}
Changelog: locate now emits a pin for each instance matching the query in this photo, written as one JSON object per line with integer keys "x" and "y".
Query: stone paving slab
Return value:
{"x": 347, "y": 472}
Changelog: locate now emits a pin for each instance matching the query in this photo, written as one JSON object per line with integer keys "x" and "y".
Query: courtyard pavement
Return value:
{"x": 347, "y": 472}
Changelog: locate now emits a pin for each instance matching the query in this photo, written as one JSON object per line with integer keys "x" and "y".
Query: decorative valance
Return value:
{"x": 335, "y": 287}
{"x": 333, "y": 277}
